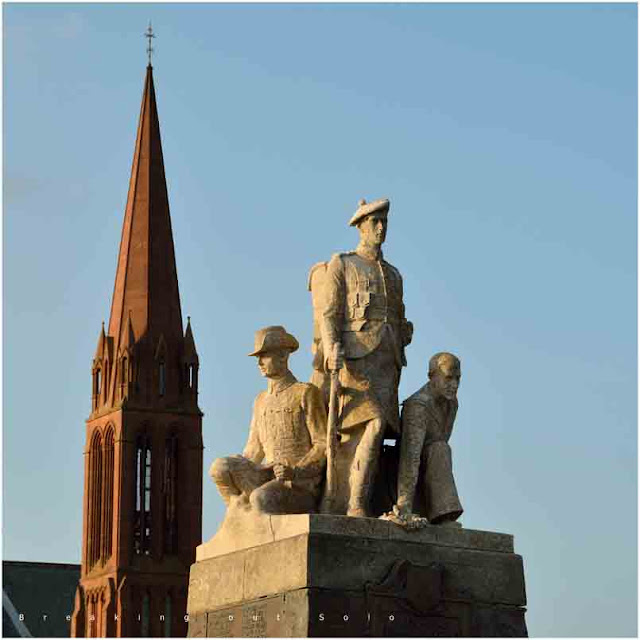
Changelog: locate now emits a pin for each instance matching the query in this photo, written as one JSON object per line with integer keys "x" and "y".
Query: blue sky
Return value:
{"x": 505, "y": 137}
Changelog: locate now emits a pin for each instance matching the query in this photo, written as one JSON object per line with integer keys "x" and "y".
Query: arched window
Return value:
{"x": 95, "y": 500}
{"x": 170, "y": 486}
{"x": 142, "y": 526}
{"x": 107, "y": 493}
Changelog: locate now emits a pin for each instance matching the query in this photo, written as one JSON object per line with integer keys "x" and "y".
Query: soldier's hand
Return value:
{"x": 335, "y": 361}
{"x": 282, "y": 472}
{"x": 407, "y": 332}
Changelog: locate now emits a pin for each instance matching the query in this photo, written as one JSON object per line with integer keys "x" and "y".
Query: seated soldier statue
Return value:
{"x": 282, "y": 466}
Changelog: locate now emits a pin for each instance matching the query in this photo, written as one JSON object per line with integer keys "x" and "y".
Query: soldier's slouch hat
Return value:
{"x": 273, "y": 338}
{"x": 367, "y": 208}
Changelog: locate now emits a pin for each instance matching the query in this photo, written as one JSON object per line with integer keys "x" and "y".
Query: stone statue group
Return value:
{"x": 318, "y": 446}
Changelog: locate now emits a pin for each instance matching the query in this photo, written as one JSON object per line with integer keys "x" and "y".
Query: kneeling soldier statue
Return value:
{"x": 283, "y": 462}
{"x": 427, "y": 422}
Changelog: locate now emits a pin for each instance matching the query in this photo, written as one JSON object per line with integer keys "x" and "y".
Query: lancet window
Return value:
{"x": 97, "y": 387}
{"x": 143, "y": 522}
{"x": 95, "y": 500}
{"x": 107, "y": 495}
{"x": 191, "y": 375}
{"x": 162, "y": 378}
{"x": 170, "y": 495}
{"x": 105, "y": 381}
{"x": 124, "y": 376}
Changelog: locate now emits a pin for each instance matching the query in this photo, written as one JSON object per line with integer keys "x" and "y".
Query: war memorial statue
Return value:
{"x": 363, "y": 331}
{"x": 427, "y": 422}
{"x": 300, "y": 552}
{"x": 282, "y": 465}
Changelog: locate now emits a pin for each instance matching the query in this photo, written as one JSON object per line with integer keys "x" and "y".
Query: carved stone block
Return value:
{"x": 333, "y": 576}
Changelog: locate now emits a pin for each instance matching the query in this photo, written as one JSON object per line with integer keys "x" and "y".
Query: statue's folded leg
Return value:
{"x": 443, "y": 501}
{"x": 277, "y": 497}
{"x": 236, "y": 475}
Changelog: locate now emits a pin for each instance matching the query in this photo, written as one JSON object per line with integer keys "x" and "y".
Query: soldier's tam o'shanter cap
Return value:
{"x": 367, "y": 208}
{"x": 273, "y": 338}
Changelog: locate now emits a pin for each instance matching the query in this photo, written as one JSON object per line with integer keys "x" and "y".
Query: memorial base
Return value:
{"x": 336, "y": 576}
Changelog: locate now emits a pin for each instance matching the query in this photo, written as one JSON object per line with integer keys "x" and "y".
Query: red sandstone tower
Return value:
{"x": 143, "y": 455}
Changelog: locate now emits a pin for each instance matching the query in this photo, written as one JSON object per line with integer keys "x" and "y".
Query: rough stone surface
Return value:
{"x": 319, "y": 613}
{"x": 385, "y": 580}
{"x": 241, "y": 527}
{"x": 242, "y": 530}
{"x": 280, "y": 616}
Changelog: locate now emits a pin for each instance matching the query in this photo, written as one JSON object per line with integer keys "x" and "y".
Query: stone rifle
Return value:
{"x": 327, "y": 505}
{"x": 320, "y": 377}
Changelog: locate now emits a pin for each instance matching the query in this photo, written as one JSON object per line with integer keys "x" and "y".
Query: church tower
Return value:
{"x": 143, "y": 455}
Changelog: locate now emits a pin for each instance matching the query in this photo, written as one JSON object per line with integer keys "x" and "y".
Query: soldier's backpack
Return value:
{"x": 315, "y": 284}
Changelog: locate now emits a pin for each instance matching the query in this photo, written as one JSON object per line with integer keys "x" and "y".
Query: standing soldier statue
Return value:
{"x": 361, "y": 332}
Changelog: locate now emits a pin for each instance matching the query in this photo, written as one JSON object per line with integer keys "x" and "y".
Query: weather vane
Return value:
{"x": 149, "y": 34}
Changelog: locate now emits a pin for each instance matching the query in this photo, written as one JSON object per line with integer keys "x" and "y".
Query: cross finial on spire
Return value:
{"x": 149, "y": 34}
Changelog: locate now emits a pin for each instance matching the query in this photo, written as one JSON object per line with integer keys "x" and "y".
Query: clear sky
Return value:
{"x": 505, "y": 137}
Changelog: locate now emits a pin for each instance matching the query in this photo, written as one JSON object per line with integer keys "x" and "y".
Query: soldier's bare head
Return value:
{"x": 444, "y": 374}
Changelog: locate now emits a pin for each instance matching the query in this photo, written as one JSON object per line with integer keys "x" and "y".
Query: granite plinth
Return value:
{"x": 318, "y": 575}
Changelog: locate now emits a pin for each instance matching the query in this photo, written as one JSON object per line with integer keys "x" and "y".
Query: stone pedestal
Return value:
{"x": 317, "y": 575}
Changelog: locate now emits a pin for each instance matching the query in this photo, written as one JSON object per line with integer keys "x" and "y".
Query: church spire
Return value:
{"x": 143, "y": 454}
{"x": 146, "y": 286}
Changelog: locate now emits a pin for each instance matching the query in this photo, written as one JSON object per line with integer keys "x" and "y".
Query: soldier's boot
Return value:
{"x": 364, "y": 468}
